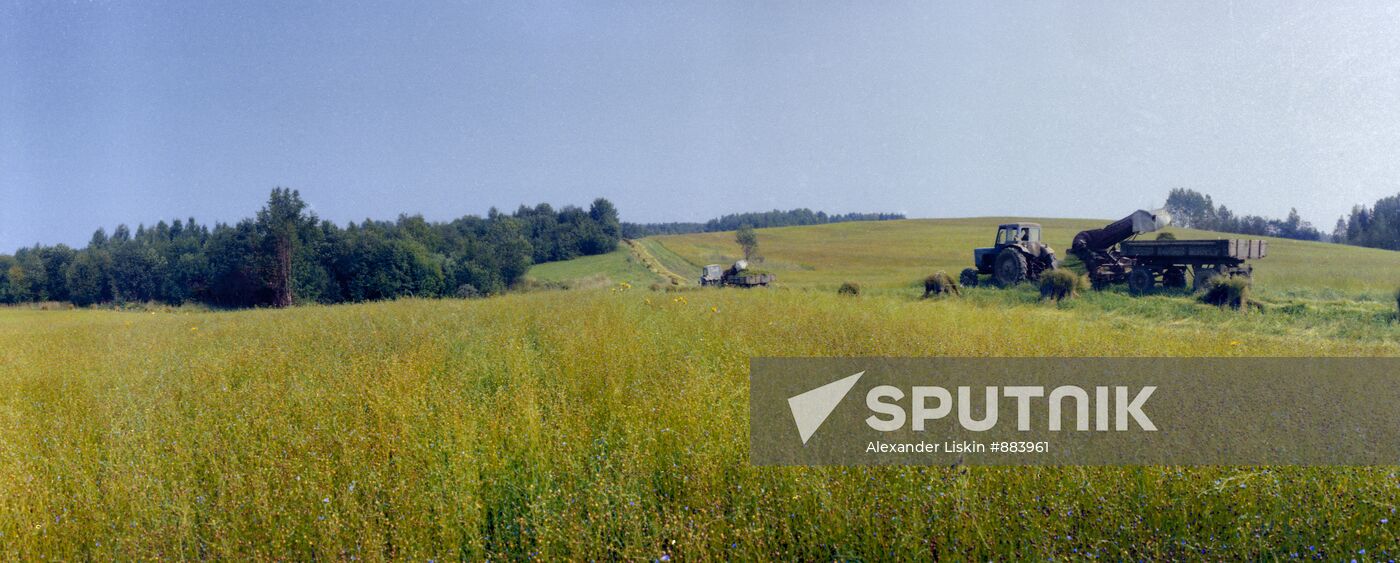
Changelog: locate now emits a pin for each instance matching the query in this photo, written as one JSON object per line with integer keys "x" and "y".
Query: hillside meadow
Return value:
{"x": 886, "y": 254}
{"x": 591, "y": 424}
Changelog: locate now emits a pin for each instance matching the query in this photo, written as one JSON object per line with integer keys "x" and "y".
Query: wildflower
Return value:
{"x": 714, "y": 309}
{"x": 1234, "y": 343}
{"x": 194, "y": 328}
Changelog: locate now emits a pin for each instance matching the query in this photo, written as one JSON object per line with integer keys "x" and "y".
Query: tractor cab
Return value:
{"x": 1012, "y": 233}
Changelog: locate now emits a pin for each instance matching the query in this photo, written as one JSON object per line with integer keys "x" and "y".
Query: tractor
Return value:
{"x": 1018, "y": 255}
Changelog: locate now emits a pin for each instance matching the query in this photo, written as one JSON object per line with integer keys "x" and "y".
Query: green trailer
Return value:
{"x": 1170, "y": 261}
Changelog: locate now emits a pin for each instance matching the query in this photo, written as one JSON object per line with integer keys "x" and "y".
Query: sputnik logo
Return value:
{"x": 810, "y": 409}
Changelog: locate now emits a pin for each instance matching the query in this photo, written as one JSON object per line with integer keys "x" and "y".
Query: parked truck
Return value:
{"x": 737, "y": 275}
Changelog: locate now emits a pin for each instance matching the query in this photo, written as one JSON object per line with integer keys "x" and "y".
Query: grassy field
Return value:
{"x": 590, "y": 424}
{"x": 616, "y": 267}
{"x": 610, "y": 421}
{"x": 888, "y": 254}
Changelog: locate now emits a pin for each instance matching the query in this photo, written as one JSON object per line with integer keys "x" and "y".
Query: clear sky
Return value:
{"x": 139, "y": 111}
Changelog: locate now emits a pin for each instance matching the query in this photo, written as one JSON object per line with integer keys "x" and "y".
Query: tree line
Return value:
{"x": 1377, "y": 226}
{"x": 757, "y": 220}
{"x": 1194, "y": 210}
{"x": 286, "y": 255}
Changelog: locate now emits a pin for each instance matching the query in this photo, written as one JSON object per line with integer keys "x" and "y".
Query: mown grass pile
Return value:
{"x": 1227, "y": 291}
{"x": 1061, "y": 284}
{"x": 586, "y": 425}
{"x": 940, "y": 283}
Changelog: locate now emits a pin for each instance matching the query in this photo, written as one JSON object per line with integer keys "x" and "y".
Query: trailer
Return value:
{"x": 737, "y": 275}
{"x": 1171, "y": 260}
{"x": 1110, "y": 256}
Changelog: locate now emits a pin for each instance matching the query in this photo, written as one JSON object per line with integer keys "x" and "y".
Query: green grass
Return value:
{"x": 613, "y": 268}
{"x": 1303, "y": 287}
{"x": 589, "y": 425}
{"x": 896, "y": 253}
{"x": 670, "y": 260}
{"x": 611, "y": 423}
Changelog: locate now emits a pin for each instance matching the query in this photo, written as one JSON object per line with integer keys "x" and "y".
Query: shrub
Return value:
{"x": 1232, "y": 291}
{"x": 1397, "y": 303}
{"x": 940, "y": 283}
{"x": 1166, "y": 236}
{"x": 849, "y": 288}
{"x": 467, "y": 291}
{"x": 1060, "y": 284}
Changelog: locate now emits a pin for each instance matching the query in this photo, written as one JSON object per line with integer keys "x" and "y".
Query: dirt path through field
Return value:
{"x": 653, "y": 264}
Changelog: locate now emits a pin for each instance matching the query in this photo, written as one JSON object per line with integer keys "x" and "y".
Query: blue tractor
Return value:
{"x": 1017, "y": 256}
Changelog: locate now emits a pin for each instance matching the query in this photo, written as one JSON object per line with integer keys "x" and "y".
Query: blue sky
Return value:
{"x": 139, "y": 111}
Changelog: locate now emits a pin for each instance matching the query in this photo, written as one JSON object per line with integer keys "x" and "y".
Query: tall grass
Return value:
{"x": 587, "y": 425}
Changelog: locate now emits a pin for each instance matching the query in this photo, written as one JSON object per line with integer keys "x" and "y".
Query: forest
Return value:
{"x": 286, "y": 255}
{"x": 757, "y": 220}
{"x": 1377, "y": 226}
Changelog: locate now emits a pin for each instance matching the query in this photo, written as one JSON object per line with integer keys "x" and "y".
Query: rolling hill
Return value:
{"x": 899, "y": 253}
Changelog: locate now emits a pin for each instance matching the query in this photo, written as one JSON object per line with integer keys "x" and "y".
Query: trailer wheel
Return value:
{"x": 968, "y": 278}
{"x": 1141, "y": 280}
{"x": 1011, "y": 268}
{"x": 1174, "y": 278}
{"x": 1203, "y": 277}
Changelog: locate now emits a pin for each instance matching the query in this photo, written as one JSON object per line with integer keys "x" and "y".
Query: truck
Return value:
{"x": 737, "y": 275}
{"x": 1017, "y": 255}
{"x": 1110, "y": 257}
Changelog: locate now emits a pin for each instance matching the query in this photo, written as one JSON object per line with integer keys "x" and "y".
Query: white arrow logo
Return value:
{"x": 810, "y": 409}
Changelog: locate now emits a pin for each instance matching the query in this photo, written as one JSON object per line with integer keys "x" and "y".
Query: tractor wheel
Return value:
{"x": 1010, "y": 268}
{"x": 1141, "y": 281}
{"x": 968, "y": 278}
{"x": 1174, "y": 278}
{"x": 1203, "y": 277}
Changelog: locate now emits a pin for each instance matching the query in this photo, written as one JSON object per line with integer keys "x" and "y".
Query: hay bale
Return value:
{"x": 940, "y": 283}
{"x": 1061, "y": 284}
{"x": 1223, "y": 291}
{"x": 849, "y": 288}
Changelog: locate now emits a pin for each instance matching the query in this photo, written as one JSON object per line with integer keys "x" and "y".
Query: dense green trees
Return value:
{"x": 1194, "y": 210}
{"x": 1377, "y": 226}
{"x": 762, "y": 220}
{"x": 285, "y": 255}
